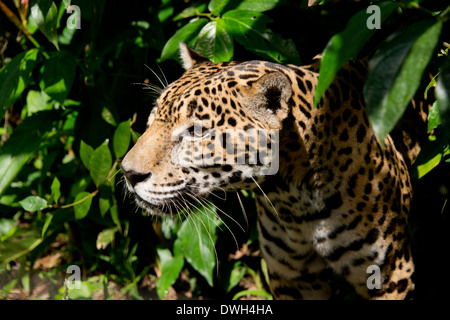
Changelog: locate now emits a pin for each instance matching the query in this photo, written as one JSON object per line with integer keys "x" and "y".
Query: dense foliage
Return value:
{"x": 75, "y": 95}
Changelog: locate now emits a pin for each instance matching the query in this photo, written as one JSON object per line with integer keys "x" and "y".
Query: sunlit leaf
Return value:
{"x": 56, "y": 190}
{"x": 433, "y": 118}
{"x": 105, "y": 238}
{"x": 197, "y": 238}
{"x": 83, "y": 202}
{"x": 122, "y": 138}
{"x": 249, "y": 28}
{"x": 86, "y": 152}
{"x": 100, "y": 163}
{"x": 57, "y": 75}
{"x": 214, "y": 42}
{"x": 186, "y": 34}
{"x": 22, "y": 145}
{"x": 14, "y": 77}
{"x": 346, "y": 45}
{"x": 395, "y": 72}
{"x": 170, "y": 270}
{"x": 33, "y": 203}
{"x": 45, "y": 14}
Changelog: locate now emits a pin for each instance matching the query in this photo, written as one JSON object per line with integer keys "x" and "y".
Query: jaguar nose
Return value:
{"x": 135, "y": 177}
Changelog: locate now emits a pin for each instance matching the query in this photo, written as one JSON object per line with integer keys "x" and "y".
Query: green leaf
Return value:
{"x": 197, "y": 238}
{"x": 82, "y": 208}
{"x": 395, "y": 72}
{"x": 257, "y": 5}
{"x": 57, "y": 75}
{"x": 38, "y": 101}
{"x": 122, "y": 138}
{"x": 48, "y": 220}
{"x": 23, "y": 242}
{"x": 22, "y": 145}
{"x": 346, "y": 45}
{"x": 170, "y": 270}
{"x": 106, "y": 199}
{"x": 33, "y": 203}
{"x": 105, "y": 237}
{"x": 186, "y": 34}
{"x": 191, "y": 11}
{"x": 443, "y": 95}
{"x": 430, "y": 155}
{"x": 86, "y": 152}
{"x": 100, "y": 163}
{"x": 214, "y": 42}
{"x": 433, "y": 117}
{"x": 14, "y": 77}
{"x": 56, "y": 190}
{"x": 218, "y": 6}
{"x": 249, "y": 28}
{"x": 236, "y": 275}
{"x": 45, "y": 14}
{"x": 7, "y": 228}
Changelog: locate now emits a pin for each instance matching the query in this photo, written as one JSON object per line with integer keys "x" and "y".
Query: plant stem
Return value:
{"x": 16, "y": 21}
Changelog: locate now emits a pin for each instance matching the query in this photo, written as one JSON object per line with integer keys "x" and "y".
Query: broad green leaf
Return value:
{"x": 395, "y": 73}
{"x": 23, "y": 242}
{"x": 433, "y": 117}
{"x": 22, "y": 145}
{"x": 38, "y": 101}
{"x": 109, "y": 116}
{"x": 33, "y": 203}
{"x": 14, "y": 77}
{"x": 105, "y": 237}
{"x": 186, "y": 34}
{"x": 100, "y": 163}
{"x": 346, "y": 45}
{"x": 249, "y": 28}
{"x": 86, "y": 152}
{"x": 106, "y": 199}
{"x": 191, "y": 11}
{"x": 219, "y": 6}
{"x": 7, "y": 228}
{"x": 45, "y": 14}
{"x": 122, "y": 138}
{"x": 197, "y": 238}
{"x": 57, "y": 74}
{"x": 430, "y": 156}
{"x": 214, "y": 42}
{"x": 56, "y": 190}
{"x": 443, "y": 95}
{"x": 85, "y": 292}
{"x": 236, "y": 275}
{"x": 170, "y": 270}
{"x": 83, "y": 202}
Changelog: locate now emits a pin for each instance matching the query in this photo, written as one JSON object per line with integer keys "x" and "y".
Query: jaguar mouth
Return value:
{"x": 168, "y": 206}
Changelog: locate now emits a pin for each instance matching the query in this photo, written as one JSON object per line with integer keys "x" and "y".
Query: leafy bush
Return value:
{"x": 72, "y": 104}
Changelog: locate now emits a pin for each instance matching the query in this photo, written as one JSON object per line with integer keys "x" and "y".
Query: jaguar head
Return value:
{"x": 215, "y": 127}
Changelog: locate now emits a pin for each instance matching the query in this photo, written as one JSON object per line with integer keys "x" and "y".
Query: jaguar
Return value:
{"x": 329, "y": 194}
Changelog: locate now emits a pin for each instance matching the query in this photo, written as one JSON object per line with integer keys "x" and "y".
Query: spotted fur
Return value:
{"x": 339, "y": 200}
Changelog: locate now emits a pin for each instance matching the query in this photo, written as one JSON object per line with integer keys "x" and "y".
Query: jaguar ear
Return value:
{"x": 190, "y": 57}
{"x": 269, "y": 98}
